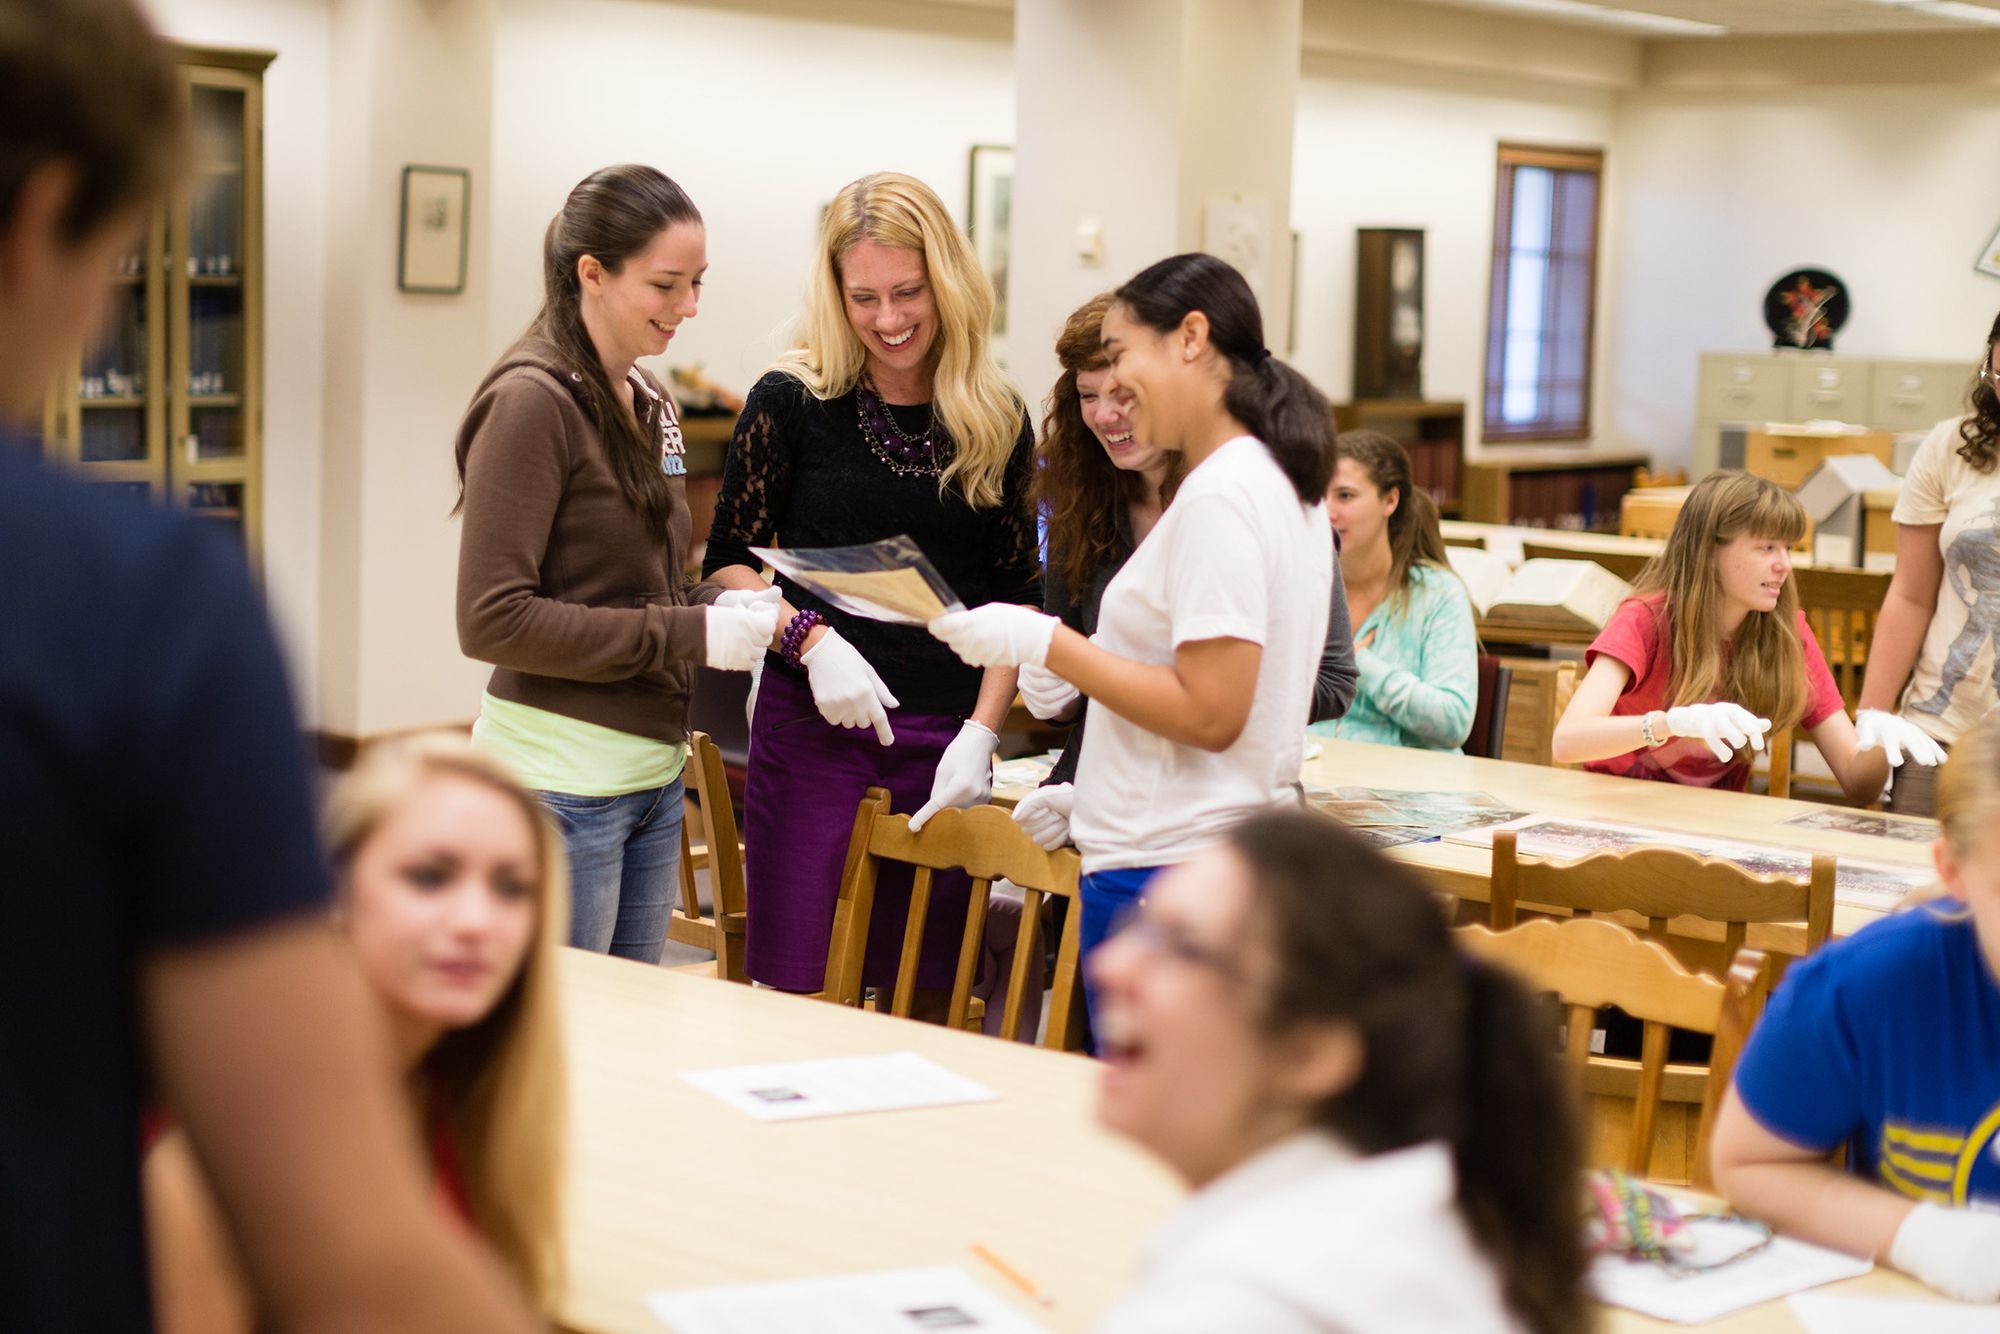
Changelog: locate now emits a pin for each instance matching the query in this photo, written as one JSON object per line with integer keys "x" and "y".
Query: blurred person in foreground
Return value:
{"x": 165, "y": 902}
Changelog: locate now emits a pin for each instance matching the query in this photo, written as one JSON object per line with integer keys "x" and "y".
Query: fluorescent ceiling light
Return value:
{"x": 1945, "y": 9}
{"x": 1621, "y": 18}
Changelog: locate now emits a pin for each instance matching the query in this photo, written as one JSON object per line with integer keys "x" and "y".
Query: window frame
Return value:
{"x": 1492, "y": 388}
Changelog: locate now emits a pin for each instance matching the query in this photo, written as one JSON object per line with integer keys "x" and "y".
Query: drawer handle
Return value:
{"x": 1783, "y": 452}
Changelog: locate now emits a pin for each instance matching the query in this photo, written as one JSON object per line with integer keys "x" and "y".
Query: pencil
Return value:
{"x": 1013, "y": 1275}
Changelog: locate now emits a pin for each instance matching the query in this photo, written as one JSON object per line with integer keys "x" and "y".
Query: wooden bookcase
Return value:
{"x": 1549, "y": 488}
{"x": 168, "y": 402}
{"x": 1432, "y": 433}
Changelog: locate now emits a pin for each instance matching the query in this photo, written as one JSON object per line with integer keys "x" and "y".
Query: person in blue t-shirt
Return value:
{"x": 1888, "y": 1043}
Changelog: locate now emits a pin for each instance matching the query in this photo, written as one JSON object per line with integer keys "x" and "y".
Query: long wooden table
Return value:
{"x": 1466, "y": 871}
{"x": 670, "y": 1188}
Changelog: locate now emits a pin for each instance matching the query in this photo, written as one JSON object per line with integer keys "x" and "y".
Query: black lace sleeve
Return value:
{"x": 756, "y": 476}
{"x": 1019, "y": 574}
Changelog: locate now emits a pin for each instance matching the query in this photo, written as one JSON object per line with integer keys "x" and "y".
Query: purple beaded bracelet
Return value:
{"x": 793, "y": 642}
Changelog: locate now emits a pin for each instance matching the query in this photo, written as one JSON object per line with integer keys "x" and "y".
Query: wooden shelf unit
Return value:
{"x": 1558, "y": 488}
{"x": 185, "y": 328}
{"x": 1431, "y": 432}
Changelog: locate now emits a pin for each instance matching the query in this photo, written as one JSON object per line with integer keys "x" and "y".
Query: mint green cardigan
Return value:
{"x": 1420, "y": 674}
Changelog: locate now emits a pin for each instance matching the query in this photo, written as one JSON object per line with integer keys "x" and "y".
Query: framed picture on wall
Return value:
{"x": 431, "y": 254}
{"x": 1989, "y": 258}
{"x": 989, "y": 212}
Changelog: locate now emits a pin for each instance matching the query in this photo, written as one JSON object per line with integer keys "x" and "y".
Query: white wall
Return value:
{"x": 760, "y": 114}
{"x": 295, "y": 131}
{"x": 1893, "y": 189}
{"x": 1385, "y": 145}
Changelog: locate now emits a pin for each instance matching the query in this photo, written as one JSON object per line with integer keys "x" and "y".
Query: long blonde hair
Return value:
{"x": 1968, "y": 800}
{"x": 503, "y": 1076}
{"x": 1765, "y": 668}
{"x": 975, "y": 401}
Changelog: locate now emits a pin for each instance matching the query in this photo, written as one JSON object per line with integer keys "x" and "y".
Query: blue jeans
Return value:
{"x": 624, "y": 867}
{"x": 1106, "y": 897}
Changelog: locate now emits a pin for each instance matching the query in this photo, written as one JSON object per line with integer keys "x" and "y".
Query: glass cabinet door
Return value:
{"x": 109, "y": 421}
{"x": 211, "y": 272}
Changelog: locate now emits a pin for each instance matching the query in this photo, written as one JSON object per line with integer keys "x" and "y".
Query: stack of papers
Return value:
{"x": 838, "y": 1086}
{"x": 1785, "y": 1266}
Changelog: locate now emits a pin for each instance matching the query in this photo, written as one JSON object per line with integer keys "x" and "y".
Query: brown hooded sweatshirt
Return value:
{"x": 561, "y": 586}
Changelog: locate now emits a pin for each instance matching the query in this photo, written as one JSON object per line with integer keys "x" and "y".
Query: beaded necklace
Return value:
{"x": 922, "y": 455}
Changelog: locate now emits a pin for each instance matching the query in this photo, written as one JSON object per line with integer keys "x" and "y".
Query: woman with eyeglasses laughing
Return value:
{"x": 1942, "y": 613}
{"x": 1375, "y": 1135}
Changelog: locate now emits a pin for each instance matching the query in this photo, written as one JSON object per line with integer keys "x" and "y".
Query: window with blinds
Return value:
{"x": 1544, "y": 293}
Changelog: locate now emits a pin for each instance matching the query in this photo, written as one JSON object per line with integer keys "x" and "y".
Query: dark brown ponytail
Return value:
{"x": 1453, "y": 1051}
{"x": 1279, "y": 405}
{"x": 612, "y": 214}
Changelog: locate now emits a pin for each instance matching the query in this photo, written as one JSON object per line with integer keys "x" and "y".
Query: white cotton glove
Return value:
{"x": 1044, "y": 814}
{"x": 1725, "y": 727}
{"x": 846, "y": 688}
{"x": 964, "y": 775}
{"x": 738, "y": 636}
{"x": 1955, "y": 1251}
{"x": 1047, "y": 695}
{"x": 1897, "y": 737}
{"x": 998, "y": 634}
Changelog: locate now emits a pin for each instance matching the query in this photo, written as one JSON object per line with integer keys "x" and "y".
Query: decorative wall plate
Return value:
{"x": 1806, "y": 308}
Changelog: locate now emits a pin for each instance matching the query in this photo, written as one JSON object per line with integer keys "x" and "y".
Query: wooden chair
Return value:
{"x": 1625, "y": 564}
{"x": 1841, "y": 606}
{"x": 1489, "y": 714}
{"x": 985, "y": 843}
{"x": 1660, "y": 884}
{"x": 721, "y": 851}
{"x": 1590, "y": 964}
{"x": 1538, "y": 691}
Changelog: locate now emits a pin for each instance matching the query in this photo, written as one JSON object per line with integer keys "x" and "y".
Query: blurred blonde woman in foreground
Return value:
{"x": 453, "y": 890}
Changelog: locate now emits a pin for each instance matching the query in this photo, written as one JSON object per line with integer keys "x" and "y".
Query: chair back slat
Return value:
{"x": 1660, "y": 884}
{"x": 913, "y": 941}
{"x": 986, "y": 844}
{"x": 1589, "y": 964}
{"x": 1842, "y": 607}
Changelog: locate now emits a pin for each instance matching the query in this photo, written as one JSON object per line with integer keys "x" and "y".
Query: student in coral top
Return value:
{"x": 453, "y": 894}
{"x": 1713, "y": 655}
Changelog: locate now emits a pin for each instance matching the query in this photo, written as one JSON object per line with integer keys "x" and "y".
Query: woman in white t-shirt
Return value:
{"x": 1200, "y": 676}
{"x": 1940, "y": 624}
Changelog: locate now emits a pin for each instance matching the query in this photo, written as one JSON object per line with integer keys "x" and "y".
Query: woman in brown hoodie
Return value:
{"x": 571, "y": 558}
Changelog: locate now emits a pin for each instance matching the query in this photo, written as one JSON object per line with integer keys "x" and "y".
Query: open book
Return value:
{"x": 1543, "y": 591}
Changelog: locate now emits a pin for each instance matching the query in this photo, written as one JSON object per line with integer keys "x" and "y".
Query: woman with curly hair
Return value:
{"x": 1102, "y": 489}
{"x": 1947, "y": 542}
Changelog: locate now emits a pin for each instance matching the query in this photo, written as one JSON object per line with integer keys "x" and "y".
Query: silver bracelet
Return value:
{"x": 1646, "y": 729}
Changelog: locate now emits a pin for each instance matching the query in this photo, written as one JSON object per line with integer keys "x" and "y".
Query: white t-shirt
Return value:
{"x": 1954, "y": 684}
{"x": 1236, "y": 556}
{"x": 1306, "y": 1237}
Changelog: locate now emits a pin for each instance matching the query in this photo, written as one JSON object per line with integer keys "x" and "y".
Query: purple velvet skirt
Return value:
{"x": 806, "y": 778}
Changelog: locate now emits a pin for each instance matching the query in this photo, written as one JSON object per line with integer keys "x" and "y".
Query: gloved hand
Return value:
{"x": 998, "y": 634}
{"x": 1724, "y": 726}
{"x": 1873, "y": 727}
{"x": 748, "y": 597}
{"x": 1955, "y": 1251}
{"x": 1047, "y": 695}
{"x": 737, "y": 636}
{"x": 964, "y": 774}
{"x": 846, "y": 688}
{"x": 1045, "y": 812}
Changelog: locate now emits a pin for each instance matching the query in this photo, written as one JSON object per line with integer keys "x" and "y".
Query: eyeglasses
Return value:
{"x": 1162, "y": 938}
{"x": 1987, "y": 376}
